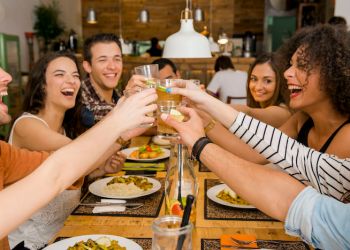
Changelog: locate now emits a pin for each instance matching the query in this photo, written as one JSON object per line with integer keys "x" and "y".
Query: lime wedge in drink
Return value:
{"x": 177, "y": 115}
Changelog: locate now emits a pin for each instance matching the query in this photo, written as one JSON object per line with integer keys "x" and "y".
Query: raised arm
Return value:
{"x": 67, "y": 164}
{"x": 328, "y": 174}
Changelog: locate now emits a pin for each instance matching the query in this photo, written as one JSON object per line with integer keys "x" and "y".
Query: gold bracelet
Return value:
{"x": 210, "y": 126}
{"x": 122, "y": 142}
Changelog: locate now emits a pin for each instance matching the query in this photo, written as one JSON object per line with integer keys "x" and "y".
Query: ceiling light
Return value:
{"x": 186, "y": 43}
{"x": 198, "y": 15}
{"x": 223, "y": 38}
{"x": 91, "y": 17}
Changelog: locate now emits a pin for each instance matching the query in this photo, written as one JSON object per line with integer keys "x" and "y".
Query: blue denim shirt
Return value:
{"x": 319, "y": 220}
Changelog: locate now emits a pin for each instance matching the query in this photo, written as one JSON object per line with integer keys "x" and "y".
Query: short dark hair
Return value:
{"x": 98, "y": 38}
{"x": 222, "y": 63}
{"x": 35, "y": 94}
{"x": 280, "y": 94}
{"x": 335, "y": 20}
{"x": 162, "y": 62}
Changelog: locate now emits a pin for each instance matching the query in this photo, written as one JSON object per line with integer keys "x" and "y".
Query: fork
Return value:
{"x": 248, "y": 242}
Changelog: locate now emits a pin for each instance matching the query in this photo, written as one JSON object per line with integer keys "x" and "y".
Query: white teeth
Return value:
{"x": 292, "y": 87}
{"x": 67, "y": 90}
{"x": 3, "y": 93}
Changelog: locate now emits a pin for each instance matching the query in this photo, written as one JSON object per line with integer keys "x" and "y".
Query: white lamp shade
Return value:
{"x": 186, "y": 43}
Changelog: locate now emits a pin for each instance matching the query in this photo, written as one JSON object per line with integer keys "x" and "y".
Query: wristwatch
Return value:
{"x": 210, "y": 126}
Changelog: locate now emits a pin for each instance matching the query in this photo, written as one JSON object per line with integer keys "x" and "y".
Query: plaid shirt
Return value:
{"x": 95, "y": 106}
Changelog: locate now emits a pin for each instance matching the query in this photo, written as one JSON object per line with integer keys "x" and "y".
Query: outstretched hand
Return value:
{"x": 190, "y": 130}
{"x": 131, "y": 112}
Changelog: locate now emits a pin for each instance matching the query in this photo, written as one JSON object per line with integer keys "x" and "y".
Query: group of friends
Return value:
{"x": 303, "y": 134}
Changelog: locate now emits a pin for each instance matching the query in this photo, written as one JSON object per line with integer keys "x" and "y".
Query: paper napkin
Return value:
{"x": 226, "y": 240}
{"x": 106, "y": 209}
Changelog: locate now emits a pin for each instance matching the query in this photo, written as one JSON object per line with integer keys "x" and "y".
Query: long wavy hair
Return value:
{"x": 280, "y": 95}
{"x": 326, "y": 48}
{"x": 35, "y": 93}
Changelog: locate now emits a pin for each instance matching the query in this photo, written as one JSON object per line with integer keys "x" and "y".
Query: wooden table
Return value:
{"x": 138, "y": 227}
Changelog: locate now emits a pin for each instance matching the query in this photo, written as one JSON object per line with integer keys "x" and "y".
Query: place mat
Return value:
{"x": 215, "y": 211}
{"x": 152, "y": 204}
{"x": 160, "y": 166}
{"x": 214, "y": 244}
{"x": 145, "y": 243}
{"x": 203, "y": 168}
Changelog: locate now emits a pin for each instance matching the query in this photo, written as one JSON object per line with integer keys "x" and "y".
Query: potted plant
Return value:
{"x": 47, "y": 24}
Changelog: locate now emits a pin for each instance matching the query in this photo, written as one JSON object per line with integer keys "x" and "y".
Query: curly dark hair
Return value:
{"x": 98, "y": 38}
{"x": 222, "y": 63}
{"x": 280, "y": 96}
{"x": 35, "y": 93}
{"x": 326, "y": 48}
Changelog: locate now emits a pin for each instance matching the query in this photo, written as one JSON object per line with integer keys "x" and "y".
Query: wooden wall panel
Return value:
{"x": 231, "y": 16}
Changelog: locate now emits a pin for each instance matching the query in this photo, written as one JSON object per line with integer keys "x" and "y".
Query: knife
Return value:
{"x": 111, "y": 204}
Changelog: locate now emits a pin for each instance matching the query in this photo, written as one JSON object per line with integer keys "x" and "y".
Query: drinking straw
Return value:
{"x": 185, "y": 220}
{"x": 180, "y": 168}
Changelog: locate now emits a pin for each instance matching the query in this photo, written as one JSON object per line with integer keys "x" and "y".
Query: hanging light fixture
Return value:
{"x": 143, "y": 15}
{"x": 198, "y": 14}
{"x": 91, "y": 16}
{"x": 186, "y": 43}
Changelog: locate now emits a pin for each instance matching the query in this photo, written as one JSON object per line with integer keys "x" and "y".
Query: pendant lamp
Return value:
{"x": 91, "y": 16}
{"x": 186, "y": 43}
{"x": 198, "y": 15}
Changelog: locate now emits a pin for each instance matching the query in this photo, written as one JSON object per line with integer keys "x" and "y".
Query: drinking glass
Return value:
{"x": 162, "y": 85}
{"x": 150, "y": 71}
{"x": 166, "y": 106}
{"x": 167, "y": 232}
{"x": 129, "y": 92}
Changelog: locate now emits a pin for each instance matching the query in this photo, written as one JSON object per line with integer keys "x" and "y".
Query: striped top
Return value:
{"x": 326, "y": 173}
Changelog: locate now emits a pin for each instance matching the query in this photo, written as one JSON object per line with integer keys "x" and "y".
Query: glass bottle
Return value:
{"x": 180, "y": 182}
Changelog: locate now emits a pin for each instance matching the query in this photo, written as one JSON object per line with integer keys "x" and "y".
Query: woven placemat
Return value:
{"x": 152, "y": 204}
{"x": 215, "y": 211}
{"x": 203, "y": 168}
{"x": 145, "y": 243}
{"x": 214, "y": 244}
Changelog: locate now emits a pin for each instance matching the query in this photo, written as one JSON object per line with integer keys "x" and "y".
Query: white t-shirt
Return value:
{"x": 229, "y": 83}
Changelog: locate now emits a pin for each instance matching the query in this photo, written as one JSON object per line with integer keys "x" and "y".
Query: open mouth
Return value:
{"x": 67, "y": 92}
{"x": 295, "y": 89}
{"x": 3, "y": 93}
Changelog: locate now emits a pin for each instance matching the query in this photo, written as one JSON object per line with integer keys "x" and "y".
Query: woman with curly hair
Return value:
{"x": 267, "y": 96}
{"x": 318, "y": 77}
{"x": 50, "y": 121}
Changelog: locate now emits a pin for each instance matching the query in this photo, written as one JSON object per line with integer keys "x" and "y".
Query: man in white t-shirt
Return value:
{"x": 228, "y": 84}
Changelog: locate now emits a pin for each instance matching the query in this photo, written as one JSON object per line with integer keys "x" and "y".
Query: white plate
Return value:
{"x": 128, "y": 151}
{"x": 64, "y": 244}
{"x": 97, "y": 188}
{"x": 160, "y": 141}
{"x": 213, "y": 191}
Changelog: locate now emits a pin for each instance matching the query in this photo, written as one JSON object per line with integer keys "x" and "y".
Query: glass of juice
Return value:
{"x": 168, "y": 107}
{"x": 163, "y": 84}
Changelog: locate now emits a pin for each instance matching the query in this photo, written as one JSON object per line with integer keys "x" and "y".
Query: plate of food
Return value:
{"x": 95, "y": 241}
{"x": 223, "y": 195}
{"x": 124, "y": 187}
{"x": 146, "y": 153}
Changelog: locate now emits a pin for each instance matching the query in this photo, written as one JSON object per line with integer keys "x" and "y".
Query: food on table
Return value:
{"x": 127, "y": 186}
{"x": 230, "y": 196}
{"x": 173, "y": 207}
{"x": 147, "y": 152}
{"x": 102, "y": 243}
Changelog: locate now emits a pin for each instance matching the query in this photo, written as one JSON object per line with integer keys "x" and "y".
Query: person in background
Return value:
{"x": 64, "y": 166}
{"x": 267, "y": 94}
{"x": 50, "y": 121}
{"x": 155, "y": 49}
{"x": 228, "y": 82}
{"x": 337, "y": 20}
{"x": 319, "y": 220}
{"x": 167, "y": 69}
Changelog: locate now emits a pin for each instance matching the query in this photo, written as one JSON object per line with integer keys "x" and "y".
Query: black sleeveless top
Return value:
{"x": 305, "y": 129}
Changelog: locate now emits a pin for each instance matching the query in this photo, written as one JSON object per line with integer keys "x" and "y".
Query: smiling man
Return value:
{"x": 104, "y": 64}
